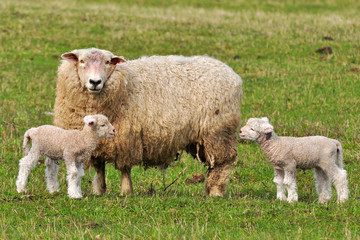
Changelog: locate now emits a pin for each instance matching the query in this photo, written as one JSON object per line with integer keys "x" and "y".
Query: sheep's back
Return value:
{"x": 178, "y": 91}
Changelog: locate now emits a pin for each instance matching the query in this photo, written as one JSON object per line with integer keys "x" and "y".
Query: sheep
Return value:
{"x": 288, "y": 153}
{"x": 74, "y": 146}
{"x": 159, "y": 105}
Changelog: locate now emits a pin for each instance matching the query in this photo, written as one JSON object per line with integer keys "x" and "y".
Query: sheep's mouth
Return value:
{"x": 94, "y": 90}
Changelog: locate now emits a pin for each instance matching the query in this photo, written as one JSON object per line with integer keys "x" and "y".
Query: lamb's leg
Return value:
{"x": 338, "y": 175}
{"x": 291, "y": 187}
{"x": 280, "y": 187}
{"x": 81, "y": 174}
{"x": 126, "y": 183}
{"x": 98, "y": 184}
{"x": 27, "y": 163}
{"x": 72, "y": 178}
{"x": 51, "y": 175}
{"x": 323, "y": 185}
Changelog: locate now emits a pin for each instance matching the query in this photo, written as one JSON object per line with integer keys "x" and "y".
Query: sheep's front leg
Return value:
{"x": 280, "y": 187}
{"x": 27, "y": 163}
{"x": 126, "y": 183}
{"x": 98, "y": 184}
{"x": 290, "y": 183}
{"x": 51, "y": 175}
{"x": 72, "y": 178}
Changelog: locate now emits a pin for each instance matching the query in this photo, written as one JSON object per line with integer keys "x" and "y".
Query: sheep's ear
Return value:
{"x": 267, "y": 128}
{"x": 90, "y": 121}
{"x": 115, "y": 60}
{"x": 73, "y": 56}
{"x": 265, "y": 119}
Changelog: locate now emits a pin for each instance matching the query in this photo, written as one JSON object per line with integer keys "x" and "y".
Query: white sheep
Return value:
{"x": 158, "y": 105}
{"x": 288, "y": 153}
{"x": 74, "y": 146}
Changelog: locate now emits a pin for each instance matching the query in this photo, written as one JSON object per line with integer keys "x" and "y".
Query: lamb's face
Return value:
{"x": 254, "y": 128}
{"x": 94, "y": 66}
{"x": 101, "y": 125}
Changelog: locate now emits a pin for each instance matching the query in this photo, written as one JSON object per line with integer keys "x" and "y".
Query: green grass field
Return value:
{"x": 271, "y": 44}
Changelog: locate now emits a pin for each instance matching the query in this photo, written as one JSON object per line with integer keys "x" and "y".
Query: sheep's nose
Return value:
{"x": 95, "y": 82}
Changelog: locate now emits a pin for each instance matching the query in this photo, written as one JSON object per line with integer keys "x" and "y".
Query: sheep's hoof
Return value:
{"x": 214, "y": 192}
{"x": 126, "y": 192}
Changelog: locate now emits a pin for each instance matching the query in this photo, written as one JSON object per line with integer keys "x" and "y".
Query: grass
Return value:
{"x": 270, "y": 44}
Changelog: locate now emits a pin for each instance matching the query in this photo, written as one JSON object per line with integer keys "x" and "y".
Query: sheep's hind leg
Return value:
{"x": 98, "y": 184}
{"x": 126, "y": 183}
{"x": 280, "y": 187}
{"x": 51, "y": 175}
{"x": 27, "y": 163}
{"x": 217, "y": 180}
{"x": 291, "y": 187}
{"x": 323, "y": 185}
{"x": 220, "y": 151}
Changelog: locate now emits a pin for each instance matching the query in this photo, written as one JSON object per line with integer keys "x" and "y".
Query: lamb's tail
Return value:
{"x": 26, "y": 143}
{"x": 339, "y": 158}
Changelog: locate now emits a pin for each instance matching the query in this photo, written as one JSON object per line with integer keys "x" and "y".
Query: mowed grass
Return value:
{"x": 270, "y": 44}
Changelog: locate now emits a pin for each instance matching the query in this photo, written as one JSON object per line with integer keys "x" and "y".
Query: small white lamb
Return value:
{"x": 74, "y": 146}
{"x": 288, "y": 153}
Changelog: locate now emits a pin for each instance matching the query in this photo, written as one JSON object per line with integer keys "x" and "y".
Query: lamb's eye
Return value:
{"x": 107, "y": 62}
{"x": 252, "y": 129}
{"x": 102, "y": 125}
{"x": 82, "y": 61}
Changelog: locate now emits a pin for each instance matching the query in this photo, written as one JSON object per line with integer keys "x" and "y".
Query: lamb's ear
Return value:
{"x": 265, "y": 119}
{"x": 72, "y": 56}
{"x": 115, "y": 60}
{"x": 267, "y": 128}
{"x": 90, "y": 121}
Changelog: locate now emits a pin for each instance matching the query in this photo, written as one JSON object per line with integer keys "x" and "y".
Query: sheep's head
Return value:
{"x": 254, "y": 128}
{"x": 94, "y": 66}
{"x": 100, "y": 124}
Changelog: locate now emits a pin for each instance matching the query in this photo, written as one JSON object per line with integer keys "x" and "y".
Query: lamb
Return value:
{"x": 74, "y": 146}
{"x": 288, "y": 153}
{"x": 159, "y": 105}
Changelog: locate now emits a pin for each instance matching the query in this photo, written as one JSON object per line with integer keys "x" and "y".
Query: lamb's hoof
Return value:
{"x": 21, "y": 190}
{"x": 292, "y": 200}
{"x": 53, "y": 190}
{"x": 281, "y": 198}
{"x": 339, "y": 201}
{"x": 75, "y": 195}
{"x": 323, "y": 201}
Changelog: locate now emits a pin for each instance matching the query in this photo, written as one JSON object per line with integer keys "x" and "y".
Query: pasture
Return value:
{"x": 281, "y": 49}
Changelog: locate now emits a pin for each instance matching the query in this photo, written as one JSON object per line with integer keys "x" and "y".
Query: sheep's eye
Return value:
{"x": 102, "y": 125}
{"x": 107, "y": 62}
{"x": 82, "y": 61}
{"x": 252, "y": 129}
